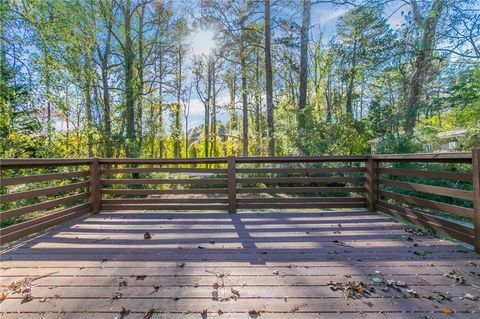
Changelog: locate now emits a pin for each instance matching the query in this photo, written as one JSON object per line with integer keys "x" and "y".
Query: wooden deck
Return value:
{"x": 244, "y": 265}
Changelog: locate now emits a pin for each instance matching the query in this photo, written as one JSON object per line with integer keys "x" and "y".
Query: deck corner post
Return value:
{"x": 371, "y": 185}
{"x": 95, "y": 186}
{"x": 476, "y": 196}
{"x": 232, "y": 184}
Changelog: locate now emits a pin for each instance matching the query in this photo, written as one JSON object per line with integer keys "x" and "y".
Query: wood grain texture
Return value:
{"x": 280, "y": 263}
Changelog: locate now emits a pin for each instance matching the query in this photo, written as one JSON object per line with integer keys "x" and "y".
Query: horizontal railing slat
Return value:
{"x": 164, "y": 200}
{"x": 442, "y": 226}
{"x": 448, "y": 208}
{"x": 301, "y": 159}
{"x": 43, "y": 191}
{"x": 274, "y": 205}
{"x": 18, "y": 231}
{"x": 142, "y": 181}
{"x": 9, "y": 181}
{"x": 42, "y": 205}
{"x": 301, "y": 170}
{"x": 303, "y": 200}
{"x": 42, "y": 162}
{"x": 300, "y": 180}
{"x": 163, "y": 191}
{"x": 163, "y": 170}
{"x": 437, "y": 190}
{"x": 306, "y": 190}
{"x": 454, "y": 176}
{"x": 173, "y": 206}
{"x": 435, "y": 157}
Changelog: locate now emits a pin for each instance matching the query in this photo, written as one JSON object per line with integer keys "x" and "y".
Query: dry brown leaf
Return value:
{"x": 147, "y": 235}
{"x": 149, "y": 313}
{"x": 447, "y": 310}
{"x": 3, "y": 296}
{"x": 298, "y": 307}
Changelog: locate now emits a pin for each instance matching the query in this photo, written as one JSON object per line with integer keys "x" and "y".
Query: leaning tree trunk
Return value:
{"x": 422, "y": 62}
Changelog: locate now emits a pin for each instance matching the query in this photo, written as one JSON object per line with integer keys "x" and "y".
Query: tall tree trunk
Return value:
{"x": 302, "y": 103}
{"x": 269, "y": 81}
{"x": 422, "y": 62}
{"x": 243, "y": 66}
{"x": 351, "y": 80}
{"x": 161, "y": 147}
{"x": 131, "y": 141}
{"x": 258, "y": 106}
{"x": 140, "y": 70}
{"x": 88, "y": 104}
{"x": 178, "y": 128}
{"x": 214, "y": 151}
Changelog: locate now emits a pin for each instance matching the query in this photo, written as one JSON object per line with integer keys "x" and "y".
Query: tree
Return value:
{"x": 269, "y": 81}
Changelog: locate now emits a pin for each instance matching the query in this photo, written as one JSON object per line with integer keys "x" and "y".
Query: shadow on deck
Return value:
{"x": 278, "y": 264}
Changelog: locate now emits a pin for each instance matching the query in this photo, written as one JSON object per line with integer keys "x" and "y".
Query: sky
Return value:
{"x": 324, "y": 17}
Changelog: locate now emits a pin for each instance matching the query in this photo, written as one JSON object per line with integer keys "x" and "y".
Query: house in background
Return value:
{"x": 446, "y": 141}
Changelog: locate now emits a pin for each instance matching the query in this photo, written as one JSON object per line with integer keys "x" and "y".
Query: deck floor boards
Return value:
{"x": 277, "y": 263}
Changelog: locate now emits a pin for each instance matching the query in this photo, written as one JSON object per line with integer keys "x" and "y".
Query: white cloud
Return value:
{"x": 326, "y": 16}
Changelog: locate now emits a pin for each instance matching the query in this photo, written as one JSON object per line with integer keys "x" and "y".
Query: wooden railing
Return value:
{"x": 437, "y": 191}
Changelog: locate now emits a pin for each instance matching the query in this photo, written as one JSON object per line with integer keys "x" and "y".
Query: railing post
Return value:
{"x": 476, "y": 196}
{"x": 371, "y": 166}
{"x": 232, "y": 185}
{"x": 95, "y": 187}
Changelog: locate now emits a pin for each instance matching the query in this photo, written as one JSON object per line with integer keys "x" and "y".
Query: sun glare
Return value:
{"x": 202, "y": 42}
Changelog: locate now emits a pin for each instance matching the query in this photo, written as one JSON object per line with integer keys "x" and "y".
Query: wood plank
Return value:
{"x": 300, "y": 180}
{"x": 303, "y": 199}
{"x": 232, "y": 185}
{"x": 454, "y": 176}
{"x": 449, "y": 208}
{"x": 42, "y": 206}
{"x": 461, "y": 157}
{"x": 293, "y": 190}
{"x": 9, "y": 181}
{"x": 45, "y": 223}
{"x": 171, "y": 170}
{"x": 197, "y": 160}
{"x": 51, "y": 215}
{"x": 436, "y": 190}
{"x": 476, "y": 196}
{"x": 154, "y": 181}
{"x": 163, "y": 191}
{"x": 301, "y": 170}
{"x": 165, "y": 201}
{"x": 439, "y": 225}
{"x": 180, "y": 305}
{"x": 300, "y": 159}
{"x": 7, "y": 163}
{"x": 43, "y": 191}
{"x": 306, "y": 204}
{"x": 174, "y": 206}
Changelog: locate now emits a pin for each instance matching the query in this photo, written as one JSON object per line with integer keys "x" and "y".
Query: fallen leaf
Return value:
{"x": 220, "y": 312}
{"x": 180, "y": 265}
{"x": 447, "y": 310}
{"x": 147, "y": 235}
{"x": 275, "y": 272}
{"x": 3, "y": 296}
{"x": 140, "y": 277}
{"x": 420, "y": 253}
{"x": 115, "y": 296}
{"x": 212, "y": 242}
{"x": 149, "y": 313}
{"x": 297, "y": 307}
{"x": 454, "y": 274}
{"x": 122, "y": 284}
{"x": 156, "y": 288}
